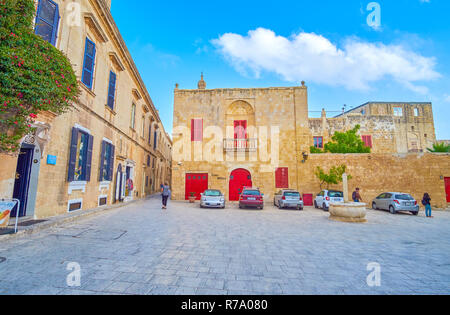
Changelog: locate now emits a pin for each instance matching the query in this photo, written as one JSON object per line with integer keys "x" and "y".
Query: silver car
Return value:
{"x": 325, "y": 197}
{"x": 395, "y": 202}
{"x": 288, "y": 198}
{"x": 212, "y": 199}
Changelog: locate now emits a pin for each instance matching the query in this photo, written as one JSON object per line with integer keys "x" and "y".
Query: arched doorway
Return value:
{"x": 239, "y": 179}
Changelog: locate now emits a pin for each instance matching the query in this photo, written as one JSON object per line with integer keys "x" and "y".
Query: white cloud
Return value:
{"x": 447, "y": 98}
{"x": 311, "y": 57}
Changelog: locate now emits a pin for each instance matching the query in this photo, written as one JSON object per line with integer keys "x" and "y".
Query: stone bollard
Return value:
{"x": 351, "y": 212}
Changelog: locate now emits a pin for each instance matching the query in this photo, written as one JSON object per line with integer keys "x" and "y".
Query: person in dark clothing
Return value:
{"x": 356, "y": 196}
{"x": 165, "y": 192}
{"x": 426, "y": 201}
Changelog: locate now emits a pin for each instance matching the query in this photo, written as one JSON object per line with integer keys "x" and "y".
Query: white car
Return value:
{"x": 325, "y": 197}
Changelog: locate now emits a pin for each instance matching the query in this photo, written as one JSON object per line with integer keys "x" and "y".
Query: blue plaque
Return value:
{"x": 51, "y": 159}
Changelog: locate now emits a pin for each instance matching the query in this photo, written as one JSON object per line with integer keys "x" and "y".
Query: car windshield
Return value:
{"x": 404, "y": 197}
{"x": 213, "y": 193}
{"x": 335, "y": 194}
{"x": 291, "y": 194}
{"x": 251, "y": 193}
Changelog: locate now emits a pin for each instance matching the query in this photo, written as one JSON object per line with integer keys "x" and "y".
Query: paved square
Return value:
{"x": 139, "y": 249}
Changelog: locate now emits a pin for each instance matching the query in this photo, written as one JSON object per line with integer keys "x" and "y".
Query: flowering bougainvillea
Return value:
{"x": 34, "y": 75}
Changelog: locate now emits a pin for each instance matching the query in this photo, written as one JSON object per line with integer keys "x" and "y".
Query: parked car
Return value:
{"x": 395, "y": 202}
{"x": 325, "y": 197}
{"x": 212, "y": 198}
{"x": 251, "y": 197}
{"x": 288, "y": 198}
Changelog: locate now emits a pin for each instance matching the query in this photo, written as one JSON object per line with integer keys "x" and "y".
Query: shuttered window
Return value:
{"x": 133, "y": 117}
{"x": 282, "y": 177}
{"x": 80, "y": 159}
{"x": 107, "y": 162}
{"x": 150, "y": 134}
{"x": 367, "y": 141}
{"x": 112, "y": 89}
{"x": 88, "y": 64}
{"x": 155, "y": 137}
{"x": 47, "y": 20}
{"x": 197, "y": 130}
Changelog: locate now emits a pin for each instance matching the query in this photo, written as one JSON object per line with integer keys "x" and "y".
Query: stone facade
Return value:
{"x": 396, "y": 127}
{"x": 142, "y": 148}
{"x": 275, "y": 147}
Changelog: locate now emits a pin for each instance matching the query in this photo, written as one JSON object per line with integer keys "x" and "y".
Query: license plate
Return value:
{"x": 252, "y": 199}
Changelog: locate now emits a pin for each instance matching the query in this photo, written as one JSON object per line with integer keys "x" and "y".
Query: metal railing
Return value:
{"x": 240, "y": 145}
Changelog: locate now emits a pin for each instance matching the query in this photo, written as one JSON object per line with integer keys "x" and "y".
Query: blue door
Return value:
{"x": 22, "y": 182}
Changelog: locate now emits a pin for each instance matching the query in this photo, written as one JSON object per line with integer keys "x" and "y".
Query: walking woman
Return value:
{"x": 165, "y": 192}
{"x": 426, "y": 201}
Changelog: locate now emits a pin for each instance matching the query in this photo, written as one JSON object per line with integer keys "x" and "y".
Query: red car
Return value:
{"x": 251, "y": 197}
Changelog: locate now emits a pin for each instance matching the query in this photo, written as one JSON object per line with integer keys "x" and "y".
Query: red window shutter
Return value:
{"x": 282, "y": 177}
{"x": 367, "y": 141}
{"x": 197, "y": 130}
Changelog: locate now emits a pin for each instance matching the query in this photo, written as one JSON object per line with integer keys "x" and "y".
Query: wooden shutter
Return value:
{"x": 89, "y": 158}
{"x": 282, "y": 177}
{"x": 112, "y": 89}
{"x": 367, "y": 141}
{"x": 88, "y": 63}
{"x": 72, "y": 155}
{"x": 197, "y": 130}
{"x": 47, "y": 20}
{"x": 102, "y": 162}
{"x": 111, "y": 163}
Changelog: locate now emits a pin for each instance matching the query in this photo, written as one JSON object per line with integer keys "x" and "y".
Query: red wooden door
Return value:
{"x": 308, "y": 200}
{"x": 197, "y": 184}
{"x": 447, "y": 188}
{"x": 239, "y": 179}
{"x": 282, "y": 177}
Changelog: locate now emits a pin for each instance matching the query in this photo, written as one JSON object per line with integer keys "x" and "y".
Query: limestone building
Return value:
{"x": 112, "y": 147}
{"x": 230, "y": 138}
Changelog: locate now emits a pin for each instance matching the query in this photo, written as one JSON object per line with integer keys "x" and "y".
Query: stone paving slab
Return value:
{"x": 139, "y": 249}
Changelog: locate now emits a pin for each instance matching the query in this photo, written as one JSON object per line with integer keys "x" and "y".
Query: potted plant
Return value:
{"x": 192, "y": 197}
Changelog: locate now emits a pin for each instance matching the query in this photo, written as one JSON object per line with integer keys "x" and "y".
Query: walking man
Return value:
{"x": 165, "y": 192}
{"x": 357, "y": 196}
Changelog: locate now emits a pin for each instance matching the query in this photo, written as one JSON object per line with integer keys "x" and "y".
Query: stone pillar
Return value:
{"x": 345, "y": 187}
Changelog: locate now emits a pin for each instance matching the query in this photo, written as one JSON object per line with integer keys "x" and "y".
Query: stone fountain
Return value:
{"x": 352, "y": 212}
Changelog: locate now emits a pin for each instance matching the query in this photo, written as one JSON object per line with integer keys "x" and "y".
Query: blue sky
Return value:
{"x": 329, "y": 44}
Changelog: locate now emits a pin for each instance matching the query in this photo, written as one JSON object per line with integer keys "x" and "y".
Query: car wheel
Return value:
{"x": 300, "y": 208}
{"x": 324, "y": 207}
{"x": 315, "y": 205}
{"x": 374, "y": 206}
{"x": 392, "y": 210}
{"x": 279, "y": 205}
{"x": 415, "y": 213}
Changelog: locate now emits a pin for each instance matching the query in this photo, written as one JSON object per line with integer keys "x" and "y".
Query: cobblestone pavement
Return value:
{"x": 140, "y": 249}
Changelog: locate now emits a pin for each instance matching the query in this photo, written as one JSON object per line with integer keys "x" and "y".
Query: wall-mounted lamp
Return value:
{"x": 305, "y": 157}
{"x": 442, "y": 177}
